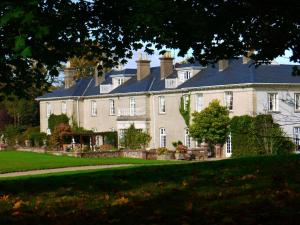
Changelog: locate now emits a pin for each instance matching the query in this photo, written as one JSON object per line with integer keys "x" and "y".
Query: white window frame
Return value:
{"x": 64, "y": 107}
{"x": 93, "y": 108}
{"x": 186, "y": 75}
{"x": 120, "y": 81}
{"x": 121, "y": 133}
{"x": 162, "y": 137}
{"x": 229, "y": 100}
{"x": 48, "y": 109}
{"x": 187, "y": 138}
{"x": 229, "y": 146}
{"x": 199, "y": 102}
{"x": 112, "y": 107}
{"x": 162, "y": 104}
{"x": 185, "y": 101}
{"x": 132, "y": 106}
{"x": 273, "y": 102}
{"x": 296, "y": 137}
{"x": 297, "y": 101}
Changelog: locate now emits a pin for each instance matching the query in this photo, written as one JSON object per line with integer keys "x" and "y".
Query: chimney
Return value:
{"x": 69, "y": 77}
{"x": 223, "y": 64}
{"x": 166, "y": 65}
{"x": 246, "y": 58}
{"x": 143, "y": 67}
{"x": 98, "y": 79}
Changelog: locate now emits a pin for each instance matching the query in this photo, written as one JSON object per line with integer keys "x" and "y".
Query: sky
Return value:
{"x": 155, "y": 58}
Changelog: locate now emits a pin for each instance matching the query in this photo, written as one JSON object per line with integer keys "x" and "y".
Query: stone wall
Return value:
{"x": 200, "y": 153}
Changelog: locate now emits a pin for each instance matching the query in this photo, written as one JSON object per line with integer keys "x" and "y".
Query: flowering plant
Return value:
{"x": 161, "y": 151}
{"x": 181, "y": 148}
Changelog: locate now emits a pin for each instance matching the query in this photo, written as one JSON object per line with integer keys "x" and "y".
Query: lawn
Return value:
{"x": 261, "y": 190}
{"x": 11, "y": 161}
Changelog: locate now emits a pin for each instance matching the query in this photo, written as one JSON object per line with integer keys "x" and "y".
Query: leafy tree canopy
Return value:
{"x": 211, "y": 124}
{"x": 36, "y": 35}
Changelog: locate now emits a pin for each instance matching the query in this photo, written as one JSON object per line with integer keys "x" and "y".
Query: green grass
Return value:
{"x": 261, "y": 190}
{"x": 11, "y": 161}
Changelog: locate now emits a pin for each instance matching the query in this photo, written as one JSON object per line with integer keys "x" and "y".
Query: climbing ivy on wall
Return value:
{"x": 185, "y": 110}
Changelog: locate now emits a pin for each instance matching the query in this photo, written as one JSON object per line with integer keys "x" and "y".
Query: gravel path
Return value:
{"x": 58, "y": 170}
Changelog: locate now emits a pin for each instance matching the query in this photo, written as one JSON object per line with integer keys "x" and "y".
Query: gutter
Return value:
{"x": 174, "y": 90}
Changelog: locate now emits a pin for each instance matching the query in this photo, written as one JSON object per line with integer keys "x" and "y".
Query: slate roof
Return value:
{"x": 236, "y": 73}
{"x": 151, "y": 83}
{"x": 77, "y": 90}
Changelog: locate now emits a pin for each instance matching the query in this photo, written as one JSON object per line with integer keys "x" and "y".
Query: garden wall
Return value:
{"x": 138, "y": 154}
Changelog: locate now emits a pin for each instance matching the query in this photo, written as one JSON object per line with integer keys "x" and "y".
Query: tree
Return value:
{"x": 5, "y": 118}
{"x": 22, "y": 111}
{"x": 211, "y": 124}
{"x": 260, "y": 135}
{"x": 38, "y": 34}
{"x": 56, "y": 138}
{"x": 135, "y": 139}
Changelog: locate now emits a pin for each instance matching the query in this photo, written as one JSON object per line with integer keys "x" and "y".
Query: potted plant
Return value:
{"x": 163, "y": 154}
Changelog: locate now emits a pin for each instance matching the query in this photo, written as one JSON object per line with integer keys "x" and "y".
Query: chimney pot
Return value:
{"x": 166, "y": 65}
{"x": 246, "y": 58}
{"x": 69, "y": 75}
{"x": 143, "y": 67}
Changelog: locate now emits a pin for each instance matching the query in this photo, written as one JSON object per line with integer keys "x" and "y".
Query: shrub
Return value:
{"x": 181, "y": 148}
{"x": 11, "y": 133}
{"x": 34, "y": 135}
{"x": 55, "y": 120}
{"x": 135, "y": 139}
{"x": 56, "y": 139}
{"x": 176, "y": 143}
{"x": 162, "y": 150}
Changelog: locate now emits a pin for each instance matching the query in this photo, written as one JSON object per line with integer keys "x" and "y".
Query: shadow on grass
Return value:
{"x": 262, "y": 190}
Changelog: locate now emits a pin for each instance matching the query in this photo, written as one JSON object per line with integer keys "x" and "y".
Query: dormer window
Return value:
{"x": 117, "y": 81}
{"x": 120, "y": 80}
{"x": 187, "y": 75}
{"x": 184, "y": 75}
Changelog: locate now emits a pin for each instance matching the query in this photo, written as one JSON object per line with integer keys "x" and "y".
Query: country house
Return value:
{"x": 149, "y": 97}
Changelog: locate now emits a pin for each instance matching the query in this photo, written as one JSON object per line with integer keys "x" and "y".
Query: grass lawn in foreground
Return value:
{"x": 261, "y": 190}
{"x": 11, "y": 161}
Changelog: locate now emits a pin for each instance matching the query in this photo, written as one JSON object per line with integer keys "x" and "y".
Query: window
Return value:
{"x": 112, "y": 109}
{"x": 93, "y": 108}
{"x": 132, "y": 106}
{"x": 199, "y": 102}
{"x": 64, "y": 108}
{"x": 229, "y": 100}
{"x": 296, "y": 135}
{"x": 297, "y": 101}
{"x": 121, "y": 133}
{"x": 187, "y": 138}
{"x": 185, "y": 102}
{"x": 228, "y": 146}
{"x": 120, "y": 80}
{"x": 162, "y": 137}
{"x": 162, "y": 104}
{"x": 48, "y": 109}
{"x": 272, "y": 102}
{"x": 186, "y": 75}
